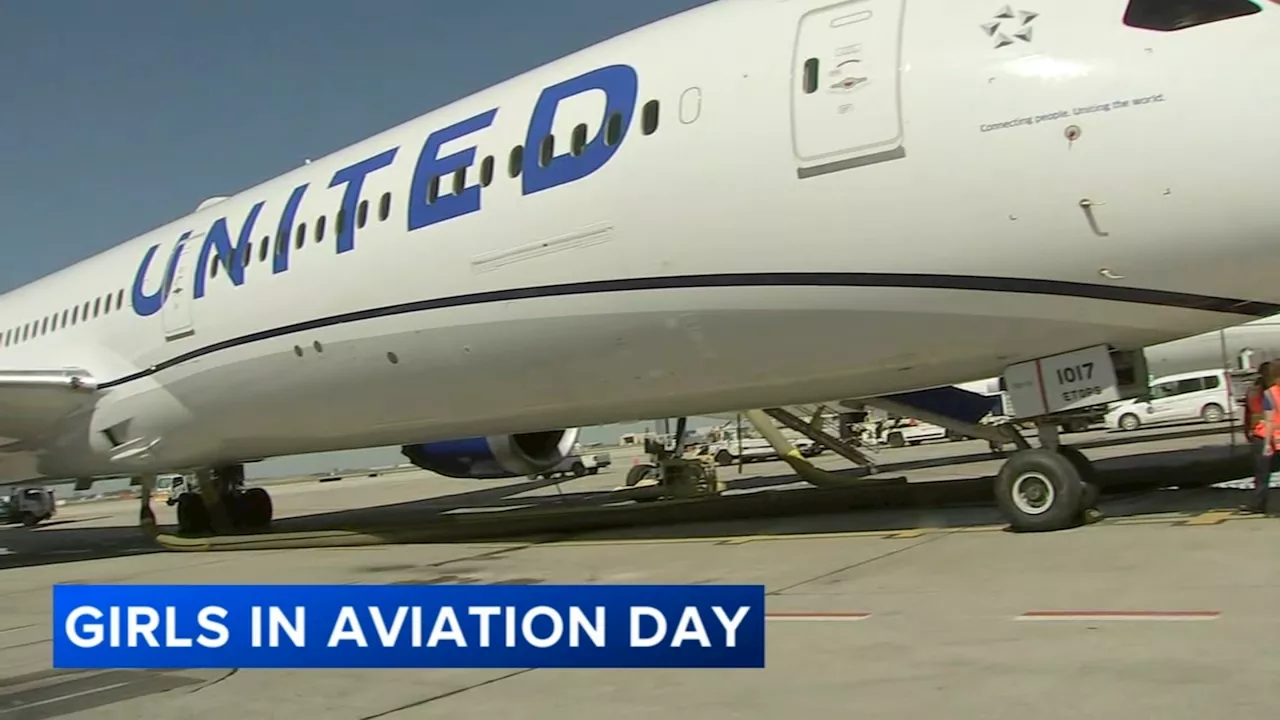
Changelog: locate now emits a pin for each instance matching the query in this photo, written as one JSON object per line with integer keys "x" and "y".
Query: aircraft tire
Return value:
{"x": 643, "y": 471}
{"x": 1084, "y": 466}
{"x": 1040, "y": 490}
{"x": 255, "y": 507}
{"x": 193, "y": 516}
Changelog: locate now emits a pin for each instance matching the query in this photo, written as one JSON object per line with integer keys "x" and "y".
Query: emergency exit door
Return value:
{"x": 176, "y": 313}
{"x": 845, "y": 103}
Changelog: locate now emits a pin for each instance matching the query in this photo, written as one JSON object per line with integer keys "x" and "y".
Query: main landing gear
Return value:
{"x": 1047, "y": 488}
{"x": 671, "y": 474}
{"x": 1051, "y": 487}
{"x": 221, "y": 502}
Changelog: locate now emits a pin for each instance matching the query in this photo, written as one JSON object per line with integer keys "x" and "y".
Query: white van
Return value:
{"x": 1203, "y": 395}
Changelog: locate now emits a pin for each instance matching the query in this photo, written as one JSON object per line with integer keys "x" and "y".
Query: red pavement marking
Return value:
{"x": 817, "y": 616}
{"x": 1120, "y": 615}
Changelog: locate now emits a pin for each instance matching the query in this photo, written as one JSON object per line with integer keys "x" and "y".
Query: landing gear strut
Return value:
{"x": 223, "y": 503}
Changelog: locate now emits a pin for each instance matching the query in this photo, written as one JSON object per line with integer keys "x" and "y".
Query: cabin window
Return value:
{"x": 362, "y": 213}
{"x": 459, "y": 180}
{"x": 106, "y": 308}
{"x": 75, "y": 315}
{"x": 65, "y": 317}
{"x": 339, "y": 221}
{"x": 516, "y": 162}
{"x": 433, "y": 190}
{"x": 84, "y": 312}
{"x": 44, "y": 326}
{"x": 120, "y": 298}
{"x": 320, "y": 228}
{"x": 263, "y": 247}
{"x": 25, "y": 329}
{"x": 246, "y": 254}
{"x": 578, "y": 142}
{"x": 282, "y": 241}
{"x": 810, "y": 80}
{"x": 486, "y": 170}
{"x": 650, "y": 118}
{"x": 1166, "y": 16}
{"x": 613, "y": 130}
{"x": 97, "y": 305}
{"x": 300, "y": 236}
{"x": 214, "y": 262}
{"x": 546, "y": 150}
{"x": 7, "y": 335}
{"x": 384, "y": 207}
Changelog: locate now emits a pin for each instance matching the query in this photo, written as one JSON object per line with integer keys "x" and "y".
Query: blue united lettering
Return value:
{"x": 618, "y": 83}
{"x": 284, "y": 230}
{"x": 425, "y": 210}
{"x": 217, "y": 242}
{"x": 145, "y": 303}
{"x": 620, "y": 87}
{"x": 353, "y": 177}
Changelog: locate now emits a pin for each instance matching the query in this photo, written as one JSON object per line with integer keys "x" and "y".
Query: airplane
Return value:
{"x": 1242, "y": 347}
{"x": 751, "y": 204}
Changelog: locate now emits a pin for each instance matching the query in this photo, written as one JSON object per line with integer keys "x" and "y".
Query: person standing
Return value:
{"x": 1262, "y": 403}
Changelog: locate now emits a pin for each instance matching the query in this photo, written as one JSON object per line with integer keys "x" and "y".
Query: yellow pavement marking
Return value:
{"x": 1212, "y": 517}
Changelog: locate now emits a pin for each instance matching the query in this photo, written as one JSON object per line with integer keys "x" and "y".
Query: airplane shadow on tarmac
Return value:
{"x": 751, "y": 506}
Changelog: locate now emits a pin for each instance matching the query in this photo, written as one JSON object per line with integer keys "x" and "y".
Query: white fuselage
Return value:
{"x": 946, "y": 212}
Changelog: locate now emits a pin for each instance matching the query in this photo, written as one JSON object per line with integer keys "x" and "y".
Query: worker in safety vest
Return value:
{"x": 1263, "y": 415}
{"x": 1253, "y": 402}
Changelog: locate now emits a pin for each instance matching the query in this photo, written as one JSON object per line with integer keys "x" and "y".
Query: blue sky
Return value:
{"x": 116, "y": 117}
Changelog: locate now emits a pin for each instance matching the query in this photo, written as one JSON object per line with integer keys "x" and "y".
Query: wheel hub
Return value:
{"x": 1033, "y": 494}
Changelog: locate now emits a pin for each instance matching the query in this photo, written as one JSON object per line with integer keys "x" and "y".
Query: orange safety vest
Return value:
{"x": 1260, "y": 422}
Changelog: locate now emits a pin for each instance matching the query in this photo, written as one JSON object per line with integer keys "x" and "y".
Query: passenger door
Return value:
{"x": 176, "y": 314}
{"x": 845, "y": 104}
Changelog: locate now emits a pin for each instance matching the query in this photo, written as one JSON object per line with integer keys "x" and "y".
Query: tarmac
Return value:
{"x": 1165, "y": 608}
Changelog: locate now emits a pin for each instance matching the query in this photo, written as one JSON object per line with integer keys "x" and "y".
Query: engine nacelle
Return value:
{"x": 501, "y": 456}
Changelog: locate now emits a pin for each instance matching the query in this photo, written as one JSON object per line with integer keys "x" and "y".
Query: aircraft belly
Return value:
{"x": 561, "y": 362}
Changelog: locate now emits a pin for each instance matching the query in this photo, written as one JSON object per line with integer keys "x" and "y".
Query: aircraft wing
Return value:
{"x": 32, "y": 401}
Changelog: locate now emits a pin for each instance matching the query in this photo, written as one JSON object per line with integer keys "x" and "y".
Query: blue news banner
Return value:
{"x": 407, "y": 626}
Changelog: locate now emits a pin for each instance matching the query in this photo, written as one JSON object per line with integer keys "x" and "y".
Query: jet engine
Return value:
{"x": 500, "y": 456}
